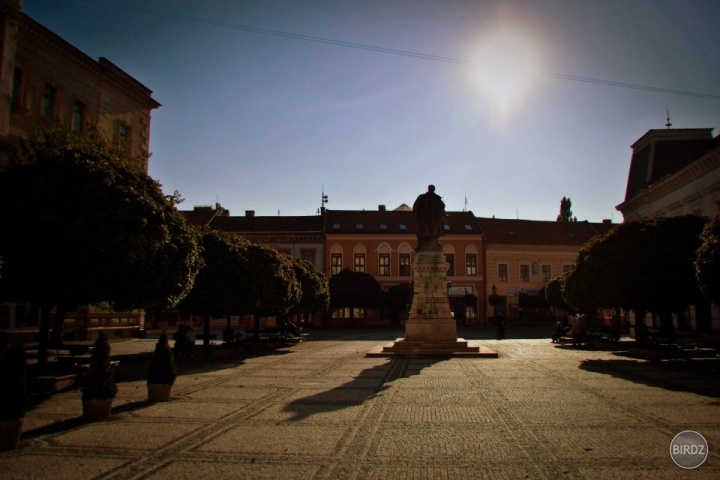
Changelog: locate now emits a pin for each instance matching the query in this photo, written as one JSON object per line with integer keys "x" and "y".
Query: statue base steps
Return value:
{"x": 457, "y": 348}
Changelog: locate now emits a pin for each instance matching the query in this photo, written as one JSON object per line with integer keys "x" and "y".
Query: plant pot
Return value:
{"x": 159, "y": 392}
{"x": 96, "y": 410}
{"x": 10, "y": 431}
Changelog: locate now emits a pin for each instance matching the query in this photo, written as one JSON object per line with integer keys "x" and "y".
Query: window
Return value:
{"x": 359, "y": 263}
{"x": 446, "y": 227}
{"x": 48, "y": 101}
{"x": 403, "y": 227}
{"x": 450, "y": 259}
{"x": 471, "y": 264}
{"x": 502, "y": 272}
{"x": 335, "y": 263}
{"x": 384, "y": 268}
{"x": 308, "y": 254}
{"x": 124, "y": 134}
{"x": 546, "y": 273}
{"x": 18, "y": 82}
{"x": 404, "y": 264}
{"x": 359, "y": 226}
{"x": 525, "y": 272}
{"x": 78, "y": 117}
{"x": 383, "y": 226}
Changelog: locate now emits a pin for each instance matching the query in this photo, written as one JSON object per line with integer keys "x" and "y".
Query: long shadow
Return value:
{"x": 71, "y": 423}
{"x": 356, "y": 391}
{"x": 656, "y": 374}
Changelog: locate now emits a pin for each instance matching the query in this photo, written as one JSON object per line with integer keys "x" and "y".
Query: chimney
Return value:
{"x": 381, "y": 208}
{"x": 607, "y": 221}
{"x": 250, "y": 213}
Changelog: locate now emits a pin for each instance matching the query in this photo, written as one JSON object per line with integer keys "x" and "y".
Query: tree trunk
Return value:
{"x": 206, "y": 333}
{"x": 256, "y": 331}
{"x": 44, "y": 332}
{"x": 56, "y": 338}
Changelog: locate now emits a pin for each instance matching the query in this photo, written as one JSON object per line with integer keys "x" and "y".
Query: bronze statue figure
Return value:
{"x": 429, "y": 211}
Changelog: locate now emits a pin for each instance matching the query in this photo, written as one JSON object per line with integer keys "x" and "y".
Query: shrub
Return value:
{"x": 162, "y": 368}
{"x": 100, "y": 379}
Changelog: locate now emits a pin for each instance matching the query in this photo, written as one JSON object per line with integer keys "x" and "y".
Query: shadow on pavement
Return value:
{"x": 694, "y": 376}
{"x": 356, "y": 391}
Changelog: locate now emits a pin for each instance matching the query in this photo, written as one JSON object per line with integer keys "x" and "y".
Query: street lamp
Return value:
{"x": 494, "y": 299}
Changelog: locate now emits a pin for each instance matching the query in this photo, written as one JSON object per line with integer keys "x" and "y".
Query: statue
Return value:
{"x": 429, "y": 211}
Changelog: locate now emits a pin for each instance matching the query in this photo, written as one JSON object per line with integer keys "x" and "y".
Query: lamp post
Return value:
{"x": 494, "y": 301}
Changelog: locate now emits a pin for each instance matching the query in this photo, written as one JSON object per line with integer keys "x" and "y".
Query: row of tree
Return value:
{"x": 659, "y": 265}
{"x": 83, "y": 226}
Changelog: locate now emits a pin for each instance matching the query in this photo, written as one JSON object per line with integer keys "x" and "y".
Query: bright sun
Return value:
{"x": 505, "y": 67}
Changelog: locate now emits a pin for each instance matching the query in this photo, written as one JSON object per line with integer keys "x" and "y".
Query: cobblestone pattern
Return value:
{"x": 323, "y": 411}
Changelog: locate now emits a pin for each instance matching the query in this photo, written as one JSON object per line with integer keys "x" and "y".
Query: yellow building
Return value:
{"x": 522, "y": 256}
{"x": 44, "y": 78}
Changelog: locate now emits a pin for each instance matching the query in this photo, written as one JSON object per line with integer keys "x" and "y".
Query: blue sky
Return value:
{"x": 265, "y": 121}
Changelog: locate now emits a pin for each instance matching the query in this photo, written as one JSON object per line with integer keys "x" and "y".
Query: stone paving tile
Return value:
{"x": 310, "y": 413}
{"x": 278, "y": 439}
{"x": 471, "y": 443}
{"x": 57, "y": 467}
{"x": 458, "y": 414}
{"x": 178, "y": 409}
{"x": 227, "y": 393}
{"x": 128, "y": 436}
{"x": 185, "y": 470}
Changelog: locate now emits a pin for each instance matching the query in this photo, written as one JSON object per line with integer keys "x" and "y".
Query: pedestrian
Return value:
{"x": 559, "y": 332}
{"x": 500, "y": 326}
{"x": 578, "y": 330}
{"x": 180, "y": 341}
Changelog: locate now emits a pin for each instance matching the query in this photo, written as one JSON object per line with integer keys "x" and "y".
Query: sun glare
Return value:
{"x": 506, "y": 63}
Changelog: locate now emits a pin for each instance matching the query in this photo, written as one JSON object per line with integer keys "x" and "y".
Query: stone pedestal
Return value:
{"x": 430, "y": 329}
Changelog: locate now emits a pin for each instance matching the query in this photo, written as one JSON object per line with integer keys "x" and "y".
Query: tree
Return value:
{"x": 708, "y": 261}
{"x": 565, "y": 214}
{"x": 397, "y": 300}
{"x": 87, "y": 229}
{"x": 553, "y": 294}
{"x": 315, "y": 295}
{"x": 240, "y": 278}
{"x": 643, "y": 265}
{"x": 352, "y": 290}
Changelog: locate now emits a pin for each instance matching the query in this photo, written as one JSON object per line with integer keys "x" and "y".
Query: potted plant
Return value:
{"x": 162, "y": 371}
{"x": 99, "y": 387}
{"x": 13, "y": 394}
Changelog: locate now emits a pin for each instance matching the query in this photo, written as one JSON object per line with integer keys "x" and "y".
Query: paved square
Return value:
{"x": 321, "y": 410}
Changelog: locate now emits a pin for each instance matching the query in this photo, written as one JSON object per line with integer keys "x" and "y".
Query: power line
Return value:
{"x": 392, "y": 51}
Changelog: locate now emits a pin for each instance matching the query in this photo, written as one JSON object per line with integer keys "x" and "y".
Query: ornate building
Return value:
{"x": 44, "y": 78}
{"x": 673, "y": 172}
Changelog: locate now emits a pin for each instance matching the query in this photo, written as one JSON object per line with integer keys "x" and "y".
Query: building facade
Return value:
{"x": 675, "y": 172}
{"x": 522, "y": 256}
{"x": 43, "y": 78}
{"x": 382, "y": 243}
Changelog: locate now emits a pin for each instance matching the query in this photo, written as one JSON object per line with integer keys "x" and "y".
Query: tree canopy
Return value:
{"x": 86, "y": 228}
{"x": 314, "y": 286}
{"x": 643, "y": 265}
{"x": 241, "y": 278}
{"x": 708, "y": 261}
{"x": 354, "y": 290}
{"x": 566, "y": 214}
